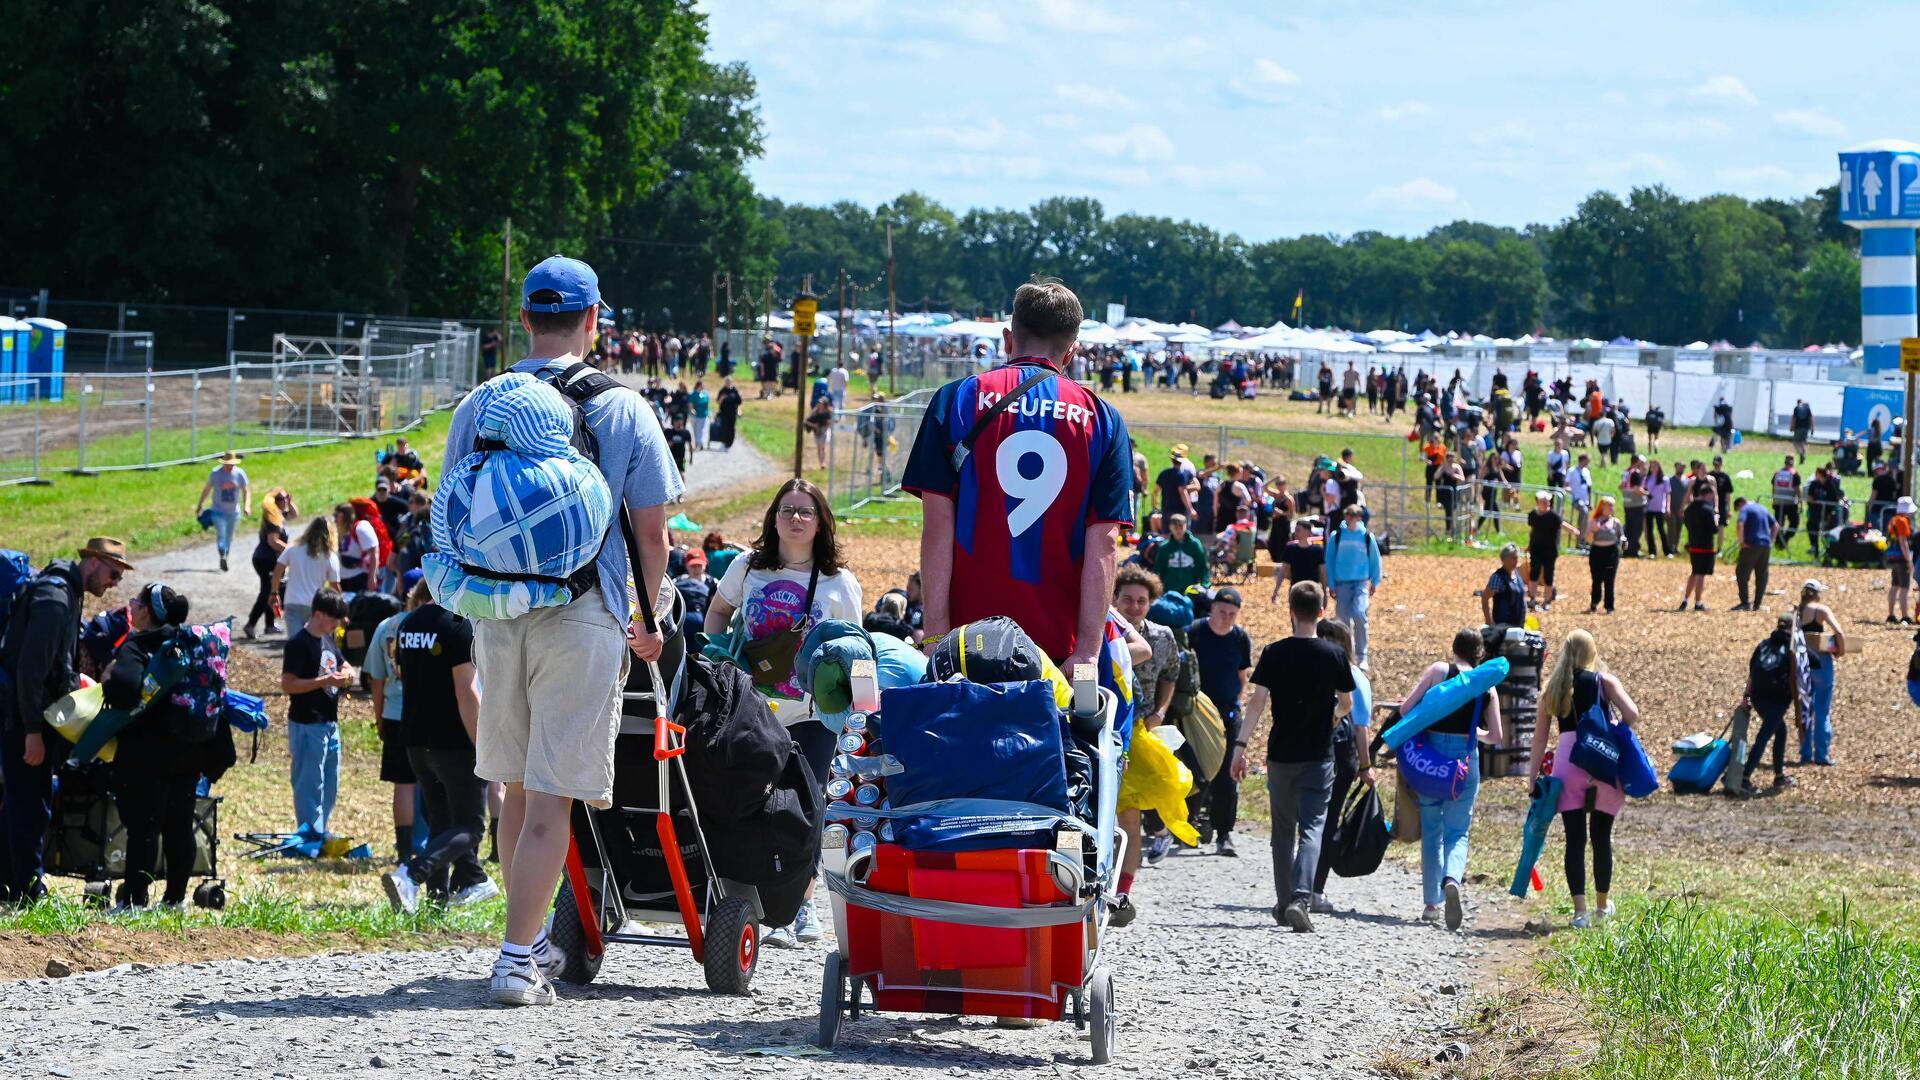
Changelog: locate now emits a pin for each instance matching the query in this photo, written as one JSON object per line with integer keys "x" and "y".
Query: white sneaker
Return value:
{"x": 1604, "y": 913}
{"x": 1455, "y": 914}
{"x": 1430, "y": 914}
{"x": 1321, "y": 905}
{"x": 484, "y": 889}
{"x": 806, "y": 929}
{"x": 780, "y": 937}
{"x": 519, "y": 983}
{"x": 402, "y": 890}
{"x": 1581, "y": 922}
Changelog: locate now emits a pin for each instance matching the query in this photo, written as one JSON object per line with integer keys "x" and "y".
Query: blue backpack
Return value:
{"x": 15, "y": 571}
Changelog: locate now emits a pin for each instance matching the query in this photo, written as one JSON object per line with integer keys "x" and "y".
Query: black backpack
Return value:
{"x": 1771, "y": 670}
{"x": 736, "y": 750}
{"x": 777, "y": 845}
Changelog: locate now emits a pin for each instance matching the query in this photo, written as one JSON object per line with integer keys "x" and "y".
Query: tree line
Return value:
{"x": 1652, "y": 265}
{"x": 366, "y": 155}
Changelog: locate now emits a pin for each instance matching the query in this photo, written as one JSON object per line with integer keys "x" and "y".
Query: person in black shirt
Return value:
{"x": 1310, "y": 683}
{"x": 1301, "y": 560}
{"x": 1824, "y": 496}
{"x": 1703, "y": 543}
{"x": 1882, "y": 490}
{"x": 679, "y": 443}
{"x": 1224, "y": 654}
{"x": 1544, "y": 526}
{"x": 433, "y": 653}
{"x": 1769, "y": 691}
{"x": 1722, "y": 491}
{"x": 313, "y": 675}
{"x": 1173, "y": 481}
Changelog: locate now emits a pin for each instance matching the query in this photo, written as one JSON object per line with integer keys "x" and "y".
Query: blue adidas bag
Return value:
{"x": 1696, "y": 775}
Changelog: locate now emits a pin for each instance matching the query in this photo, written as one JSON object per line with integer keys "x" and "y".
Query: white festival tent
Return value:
{"x": 1139, "y": 333}
{"x": 1095, "y": 332}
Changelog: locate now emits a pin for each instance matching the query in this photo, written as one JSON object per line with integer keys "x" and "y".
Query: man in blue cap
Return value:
{"x": 553, "y": 676}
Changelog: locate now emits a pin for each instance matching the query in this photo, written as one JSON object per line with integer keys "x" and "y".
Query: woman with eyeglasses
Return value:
{"x": 156, "y": 774}
{"x": 792, "y": 579}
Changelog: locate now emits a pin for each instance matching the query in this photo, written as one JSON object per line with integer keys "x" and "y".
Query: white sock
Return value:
{"x": 517, "y": 955}
{"x": 541, "y": 946}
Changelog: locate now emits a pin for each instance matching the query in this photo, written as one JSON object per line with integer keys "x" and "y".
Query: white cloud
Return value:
{"x": 1272, "y": 74}
{"x": 1093, "y": 97}
{"x": 1724, "y": 90}
{"x": 1405, "y": 110}
{"x": 1769, "y": 176}
{"x": 1690, "y": 129}
{"x": 1086, "y": 18}
{"x": 978, "y": 138}
{"x": 1419, "y": 193}
{"x": 1054, "y": 121}
{"x": 1813, "y": 122}
{"x": 1138, "y": 142}
{"x": 1615, "y": 98}
{"x": 1508, "y": 131}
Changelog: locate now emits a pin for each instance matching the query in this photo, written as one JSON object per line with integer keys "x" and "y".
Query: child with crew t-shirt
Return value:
{"x": 1224, "y": 654}
{"x": 313, "y": 675}
{"x": 1310, "y": 683}
{"x": 433, "y": 650}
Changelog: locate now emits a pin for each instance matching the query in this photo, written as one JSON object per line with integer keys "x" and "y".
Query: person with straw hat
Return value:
{"x": 37, "y": 653}
{"x": 232, "y": 500}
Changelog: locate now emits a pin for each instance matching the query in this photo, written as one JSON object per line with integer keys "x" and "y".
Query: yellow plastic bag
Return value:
{"x": 1206, "y": 734}
{"x": 1157, "y": 780}
{"x": 73, "y": 714}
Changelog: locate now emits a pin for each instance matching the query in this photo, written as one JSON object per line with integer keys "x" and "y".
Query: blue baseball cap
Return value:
{"x": 575, "y": 281}
{"x": 409, "y": 579}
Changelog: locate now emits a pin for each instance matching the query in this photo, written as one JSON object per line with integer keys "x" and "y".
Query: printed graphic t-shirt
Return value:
{"x": 769, "y": 601}
{"x": 311, "y": 657}
{"x": 1039, "y": 475}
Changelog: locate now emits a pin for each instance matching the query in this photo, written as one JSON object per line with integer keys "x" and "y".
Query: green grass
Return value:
{"x": 1686, "y": 989}
{"x": 153, "y": 509}
{"x": 268, "y": 911}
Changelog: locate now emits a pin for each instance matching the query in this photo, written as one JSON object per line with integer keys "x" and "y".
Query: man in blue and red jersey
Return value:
{"x": 1026, "y": 524}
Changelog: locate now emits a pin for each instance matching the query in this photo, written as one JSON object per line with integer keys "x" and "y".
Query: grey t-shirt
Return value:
{"x": 633, "y": 458}
{"x": 1148, "y": 674}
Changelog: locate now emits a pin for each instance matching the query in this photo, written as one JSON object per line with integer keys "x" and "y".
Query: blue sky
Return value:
{"x": 1276, "y": 119}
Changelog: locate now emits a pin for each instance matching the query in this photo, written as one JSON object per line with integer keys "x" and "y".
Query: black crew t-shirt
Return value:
{"x": 1702, "y": 526}
{"x": 311, "y": 657}
{"x": 427, "y": 645}
{"x": 1303, "y": 561}
{"x": 1543, "y": 532}
{"x": 1303, "y": 677}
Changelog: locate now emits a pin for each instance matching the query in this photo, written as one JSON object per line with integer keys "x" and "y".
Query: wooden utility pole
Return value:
{"x": 840, "y": 323}
{"x": 506, "y": 294}
{"x": 805, "y": 306}
{"x": 893, "y": 356}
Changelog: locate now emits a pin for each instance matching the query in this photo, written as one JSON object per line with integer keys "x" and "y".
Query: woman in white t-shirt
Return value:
{"x": 768, "y": 586}
{"x": 305, "y": 568}
{"x": 359, "y": 550}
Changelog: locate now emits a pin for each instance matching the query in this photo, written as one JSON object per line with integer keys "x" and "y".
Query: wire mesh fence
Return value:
{"x": 301, "y": 392}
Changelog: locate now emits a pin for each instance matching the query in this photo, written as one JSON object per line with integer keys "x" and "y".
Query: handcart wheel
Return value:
{"x": 733, "y": 946}
{"x": 570, "y": 937}
{"x": 833, "y": 989}
{"x": 1102, "y": 1027}
{"x": 211, "y": 895}
{"x": 98, "y": 894}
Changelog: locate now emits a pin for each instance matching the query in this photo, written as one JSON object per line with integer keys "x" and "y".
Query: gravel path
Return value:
{"x": 1205, "y": 982}
{"x": 195, "y": 568}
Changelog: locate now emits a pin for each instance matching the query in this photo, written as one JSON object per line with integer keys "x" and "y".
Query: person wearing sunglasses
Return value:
{"x": 37, "y": 653}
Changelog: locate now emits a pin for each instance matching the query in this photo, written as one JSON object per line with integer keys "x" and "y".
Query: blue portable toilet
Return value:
{"x": 13, "y": 340}
{"x": 47, "y": 356}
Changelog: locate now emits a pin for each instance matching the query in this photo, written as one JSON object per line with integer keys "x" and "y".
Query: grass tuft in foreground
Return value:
{"x": 1682, "y": 989}
{"x": 266, "y": 911}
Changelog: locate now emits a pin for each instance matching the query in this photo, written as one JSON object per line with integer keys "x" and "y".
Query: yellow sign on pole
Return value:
{"x": 1910, "y": 355}
{"x": 804, "y": 309}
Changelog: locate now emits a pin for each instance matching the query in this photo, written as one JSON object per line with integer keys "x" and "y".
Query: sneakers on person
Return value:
{"x": 1296, "y": 918}
{"x": 780, "y": 937}
{"x": 1456, "y": 912}
{"x": 806, "y": 928}
{"x": 1602, "y": 914}
{"x": 519, "y": 982}
{"x": 1123, "y": 911}
{"x": 402, "y": 891}
{"x": 223, "y": 564}
{"x": 1224, "y": 846}
{"x": 1580, "y": 920}
{"x": 1683, "y": 607}
{"x": 1321, "y": 905}
{"x": 1741, "y": 606}
{"x": 484, "y": 889}
{"x": 1699, "y": 607}
{"x": 1430, "y": 914}
{"x": 1158, "y": 848}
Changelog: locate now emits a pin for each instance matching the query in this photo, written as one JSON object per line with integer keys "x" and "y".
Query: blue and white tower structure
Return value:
{"x": 1880, "y": 196}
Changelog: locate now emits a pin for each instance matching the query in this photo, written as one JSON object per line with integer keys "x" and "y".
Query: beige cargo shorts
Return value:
{"x": 550, "y": 699}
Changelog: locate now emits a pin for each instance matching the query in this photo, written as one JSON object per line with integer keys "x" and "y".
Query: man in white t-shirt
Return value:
{"x": 1580, "y": 490}
{"x": 837, "y": 384}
